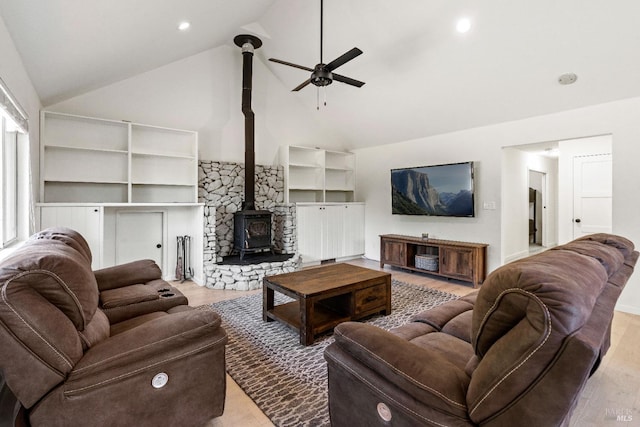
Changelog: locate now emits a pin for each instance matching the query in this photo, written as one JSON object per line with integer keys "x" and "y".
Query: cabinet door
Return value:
{"x": 140, "y": 235}
{"x": 309, "y": 229}
{"x": 353, "y": 229}
{"x": 332, "y": 231}
{"x": 393, "y": 253}
{"x": 86, "y": 220}
{"x": 456, "y": 262}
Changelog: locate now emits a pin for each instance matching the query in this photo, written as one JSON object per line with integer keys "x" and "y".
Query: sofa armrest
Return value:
{"x": 131, "y": 273}
{"x": 425, "y": 375}
{"x": 145, "y": 348}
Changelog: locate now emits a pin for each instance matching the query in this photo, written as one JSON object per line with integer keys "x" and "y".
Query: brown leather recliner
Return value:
{"x": 517, "y": 352}
{"x": 144, "y": 359}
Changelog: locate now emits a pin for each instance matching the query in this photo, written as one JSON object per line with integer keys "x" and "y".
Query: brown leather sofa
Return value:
{"x": 517, "y": 352}
{"x": 115, "y": 347}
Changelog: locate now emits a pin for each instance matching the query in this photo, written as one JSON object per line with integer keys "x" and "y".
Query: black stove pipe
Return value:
{"x": 248, "y": 43}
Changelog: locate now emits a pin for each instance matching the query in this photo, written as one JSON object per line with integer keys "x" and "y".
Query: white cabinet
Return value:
{"x": 330, "y": 231}
{"x": 85, "y": 160}
{"x": 86, "y": 220}
{"x": 106, "y": 233}
{"x": 316, "y": 175}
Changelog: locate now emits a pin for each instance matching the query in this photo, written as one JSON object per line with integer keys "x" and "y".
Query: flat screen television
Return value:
{"x": 439, "y": 190}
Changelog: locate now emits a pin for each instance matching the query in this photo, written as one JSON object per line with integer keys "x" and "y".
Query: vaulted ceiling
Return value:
{"x": 422, "y": 77}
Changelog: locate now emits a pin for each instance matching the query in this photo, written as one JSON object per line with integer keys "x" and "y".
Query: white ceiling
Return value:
{"x": 422, "y": 78}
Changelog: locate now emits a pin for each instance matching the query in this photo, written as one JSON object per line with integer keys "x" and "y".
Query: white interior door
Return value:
{"x": 140, "y": 235}
{"x": 592, "y": 194}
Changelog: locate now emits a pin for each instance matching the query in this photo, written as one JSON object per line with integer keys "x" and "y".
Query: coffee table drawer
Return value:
{"x": 370, "y": 298}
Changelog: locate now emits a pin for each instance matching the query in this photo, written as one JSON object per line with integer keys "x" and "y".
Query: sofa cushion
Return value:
{"x": 440, "y": 315}
{"x": 127, "y": 295}
{"x": 131, "y": 273}
{"x": 611, "y": 259}
{"x": 61, "y": 274}
{"x": 96, "y": 331}
{"x": 67, "y": 236}
{"x": 622, "y": 244}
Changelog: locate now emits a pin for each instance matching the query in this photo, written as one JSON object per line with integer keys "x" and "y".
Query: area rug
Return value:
{"x": 286, "y": 380}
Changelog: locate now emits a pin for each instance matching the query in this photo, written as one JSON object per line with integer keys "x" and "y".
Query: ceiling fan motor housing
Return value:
{"x": 320, "y": 76}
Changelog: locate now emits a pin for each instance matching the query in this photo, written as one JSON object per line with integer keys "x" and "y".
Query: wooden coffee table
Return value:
{"x": 326, "y": 296}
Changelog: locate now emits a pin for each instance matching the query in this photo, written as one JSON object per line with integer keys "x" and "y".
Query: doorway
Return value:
{"x": 537, "y": 207}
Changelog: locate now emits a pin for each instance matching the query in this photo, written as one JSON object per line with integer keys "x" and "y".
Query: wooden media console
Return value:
{"x": 456, "y": 260}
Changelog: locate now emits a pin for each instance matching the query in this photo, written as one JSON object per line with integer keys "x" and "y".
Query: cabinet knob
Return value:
{"x": 158, "y": 246}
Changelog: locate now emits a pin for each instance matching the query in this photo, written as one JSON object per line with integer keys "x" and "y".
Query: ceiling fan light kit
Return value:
{"x": 322, "y": 74}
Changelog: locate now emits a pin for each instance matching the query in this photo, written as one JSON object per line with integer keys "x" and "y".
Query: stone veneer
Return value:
{"x": 246, "y": 277}
{"x": 221, "y": 189}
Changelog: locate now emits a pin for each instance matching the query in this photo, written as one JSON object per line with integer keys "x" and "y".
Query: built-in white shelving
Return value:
{"x": 85, "y": 159}
{"x": 101, "y": 176}
{"x": 317, "y": 175}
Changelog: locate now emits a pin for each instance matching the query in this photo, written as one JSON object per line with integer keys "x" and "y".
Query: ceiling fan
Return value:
{"x": 322, "y": 74}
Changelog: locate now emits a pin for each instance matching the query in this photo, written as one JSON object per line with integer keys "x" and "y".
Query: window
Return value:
{"x": 9, "y": 183}
{"x": 13, "y": 166}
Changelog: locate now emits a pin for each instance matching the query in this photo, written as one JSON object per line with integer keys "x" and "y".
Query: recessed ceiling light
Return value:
{"x": 183, "y": 26}
{"x": 463, "y": 25}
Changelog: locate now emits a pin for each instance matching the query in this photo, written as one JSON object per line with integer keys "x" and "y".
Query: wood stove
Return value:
{"x": 252, "y": 228}
{"x": 251, "y": 231}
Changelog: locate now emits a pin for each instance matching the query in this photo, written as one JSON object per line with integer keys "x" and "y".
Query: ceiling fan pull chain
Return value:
{"x": 324, "y": 93}
{"x": 317, "y": 98}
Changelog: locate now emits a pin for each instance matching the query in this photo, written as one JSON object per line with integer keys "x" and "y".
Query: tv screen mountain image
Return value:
{"x": 440, "y": 190}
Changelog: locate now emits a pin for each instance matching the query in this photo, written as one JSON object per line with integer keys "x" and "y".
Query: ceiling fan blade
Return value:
{"x": 342, "y": 59}
{"x": 291, "y": 64}
{"x": 347, "y": 80}
{"x": 301, "y": 85}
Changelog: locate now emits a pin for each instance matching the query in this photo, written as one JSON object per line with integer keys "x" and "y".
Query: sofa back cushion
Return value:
{"x": 523, "y": 315}
{"x": 48, "y": 294}
{"x": 67, "y": 236}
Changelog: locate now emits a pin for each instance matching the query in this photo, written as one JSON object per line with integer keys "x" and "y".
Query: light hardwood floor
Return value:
{"x": 613, "y": 389}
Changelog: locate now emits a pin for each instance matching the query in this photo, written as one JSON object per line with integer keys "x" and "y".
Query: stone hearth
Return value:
{"x": 246, "y": 277}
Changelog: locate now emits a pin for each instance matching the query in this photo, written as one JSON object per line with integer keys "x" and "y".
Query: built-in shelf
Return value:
{"x": 85, "y": 159}
{"x": 317, "y": 175}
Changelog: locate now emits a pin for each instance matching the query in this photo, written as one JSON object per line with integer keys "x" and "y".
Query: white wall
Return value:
{"x": 483, "y": 145}
{"x": 14, "y": 75}
{"x": 515, "y": 204}
{"x": 203, "y": 93}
